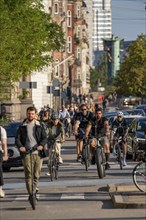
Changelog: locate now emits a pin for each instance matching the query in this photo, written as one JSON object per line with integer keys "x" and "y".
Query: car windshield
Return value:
{"x": 141, "y": 126}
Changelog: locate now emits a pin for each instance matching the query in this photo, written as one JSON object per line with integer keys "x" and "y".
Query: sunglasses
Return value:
{"x": 84, "y": 109}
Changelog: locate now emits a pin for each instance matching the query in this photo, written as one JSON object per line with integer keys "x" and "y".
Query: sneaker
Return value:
{"x": 124, "y": 163}
{"x": 93, "y": 160}
{"x": 67, "y": 134}
{"x": 107, "y": 166}
{"x": 37, "y": 189}
{"x": 79, "y": 158}
{"x": 60, "y": 160}
{"x": 2, "y": 193}
{"x": 47, "y": 174}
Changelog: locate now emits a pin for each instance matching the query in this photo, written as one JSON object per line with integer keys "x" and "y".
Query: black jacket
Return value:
{"x": 40, "y": 135}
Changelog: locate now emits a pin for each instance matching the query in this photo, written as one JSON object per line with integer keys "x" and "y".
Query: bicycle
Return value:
{"x": 54, "y": 162}
{"x": 139, "y": 173}
{"x": 118, "y": 148}
{"x": 100, "y": 158}
{"x": 86, "y": 154}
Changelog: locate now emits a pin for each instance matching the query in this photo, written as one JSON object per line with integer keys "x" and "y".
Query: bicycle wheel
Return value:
{"x": 139, "y": 176}
{"x": 52, "y": 166}
{"x": 86, "y": 157}
{"x": 99, "y": 162}
{"x": 56, "y": 171}
{"x": 103, "y": 161}
{"x": 119, "y": 156}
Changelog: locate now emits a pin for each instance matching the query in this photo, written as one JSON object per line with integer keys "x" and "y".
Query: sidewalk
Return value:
{"x": 126, "y": 196}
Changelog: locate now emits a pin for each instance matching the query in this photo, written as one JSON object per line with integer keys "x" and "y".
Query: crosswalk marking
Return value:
{"x": 72, "y": 196}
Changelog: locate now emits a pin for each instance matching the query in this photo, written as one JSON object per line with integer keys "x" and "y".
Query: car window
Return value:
{"x": 11, "y": 130}
{"x": 141, "y": 126}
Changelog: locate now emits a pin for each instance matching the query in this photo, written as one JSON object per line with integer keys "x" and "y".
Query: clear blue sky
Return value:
{"x": 128, "y": 18}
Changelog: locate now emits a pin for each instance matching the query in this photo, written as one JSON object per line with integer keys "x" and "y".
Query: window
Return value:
{"x": 56, "y": 8}
{"x": 57, "y": 69}
{"x": 78, "y": 11}
{"x": 69, "y": 43}
{"x": 69, "y": 19}
{"x": 78, "y": 31}
{"x": 78, "y": 53}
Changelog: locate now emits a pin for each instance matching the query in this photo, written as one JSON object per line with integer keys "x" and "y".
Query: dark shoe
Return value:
{"x": 107, "y": 166}
{"x": 79, "y": 157}
{"x": 93, "y": 160}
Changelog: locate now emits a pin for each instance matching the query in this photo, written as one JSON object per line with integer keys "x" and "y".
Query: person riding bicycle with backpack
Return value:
{"x": 82, "y": 119}
{"x": 119, "y": 128}
{"x": 64, "y": 117}
{"x": 100, "y": 129}
{"x": 55, "y": 133}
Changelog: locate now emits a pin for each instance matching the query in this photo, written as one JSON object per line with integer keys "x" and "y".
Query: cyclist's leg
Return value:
{"x": 49, "y": 157}
{"x": 58, "y": 152}
{"x": 106, "y": 144}
{"x": 92, "y": 143}
{"x": 124, "y": 148}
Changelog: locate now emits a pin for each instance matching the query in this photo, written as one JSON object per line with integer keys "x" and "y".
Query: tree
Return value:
{"x": 99, "y": 74}
{"x": 131, "y": 78}
{"x": 27, "y": 36}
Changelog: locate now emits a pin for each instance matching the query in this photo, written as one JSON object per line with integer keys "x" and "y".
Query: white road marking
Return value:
{"x": 72, "y": 196}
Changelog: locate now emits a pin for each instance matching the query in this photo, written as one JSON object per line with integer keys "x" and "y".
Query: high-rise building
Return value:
{"x": 101, "y": 23}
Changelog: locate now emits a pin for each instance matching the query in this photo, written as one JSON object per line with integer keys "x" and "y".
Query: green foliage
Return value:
{"x": 131, "y": 78}
{"x": 27, "y": 36}
{"x": 99, "y": 74}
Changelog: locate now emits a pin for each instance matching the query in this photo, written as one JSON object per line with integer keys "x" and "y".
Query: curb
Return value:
{"x": 126, "y": 196}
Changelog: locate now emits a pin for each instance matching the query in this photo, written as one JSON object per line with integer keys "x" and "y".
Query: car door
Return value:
{"x": 131, "y": 136}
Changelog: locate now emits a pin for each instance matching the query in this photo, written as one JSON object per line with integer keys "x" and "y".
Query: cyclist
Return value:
{"x": 100, "y": 129}
{"x": 55, "y": 132}
{"x": 119, "y": 128}
{"x": 82, "y": 119}
{"x": 64, "y": 117}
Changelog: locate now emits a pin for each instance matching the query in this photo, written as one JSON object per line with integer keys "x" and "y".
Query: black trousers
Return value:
{"x": 1, "y": 169}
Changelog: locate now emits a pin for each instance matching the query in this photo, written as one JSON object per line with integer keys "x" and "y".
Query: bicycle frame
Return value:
{"x": 118, "y": 148}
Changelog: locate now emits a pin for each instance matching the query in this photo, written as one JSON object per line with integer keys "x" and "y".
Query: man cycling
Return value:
{"x": 119, "y": 128}
{"x": 82, "y": 119}
{"x": 64, "y": 117}
{"x": 100, "y": 129}
{"x": 55, "y": 132}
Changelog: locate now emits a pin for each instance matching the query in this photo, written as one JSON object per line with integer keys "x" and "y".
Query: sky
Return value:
{"x": 128, "y": 18}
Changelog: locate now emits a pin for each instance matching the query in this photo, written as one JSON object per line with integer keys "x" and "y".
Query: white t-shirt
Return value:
{"x": 3, "y": 136}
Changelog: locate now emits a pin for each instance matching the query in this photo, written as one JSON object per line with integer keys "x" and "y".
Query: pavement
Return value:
{"x": 126, "y": 196}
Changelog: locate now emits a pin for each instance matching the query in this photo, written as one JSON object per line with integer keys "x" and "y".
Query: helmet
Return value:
{"x": 120, "y": 114}
{"x": 54, "y": 116}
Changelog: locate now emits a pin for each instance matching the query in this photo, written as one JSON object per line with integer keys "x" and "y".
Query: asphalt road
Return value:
{"x": 76, "y": 194}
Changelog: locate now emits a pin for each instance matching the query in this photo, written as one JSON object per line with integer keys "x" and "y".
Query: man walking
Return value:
{"x": 31, "y": 136}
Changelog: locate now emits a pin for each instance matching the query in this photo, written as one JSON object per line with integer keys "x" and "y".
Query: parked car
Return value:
{"x": 136, "y": 112}
{"x": 143, "y": 106}
{"x": 110, "y": 114}
{"x": 13, "y": 152}
{"x": 128, "y": 118}
{"x": 136, "y": 140}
